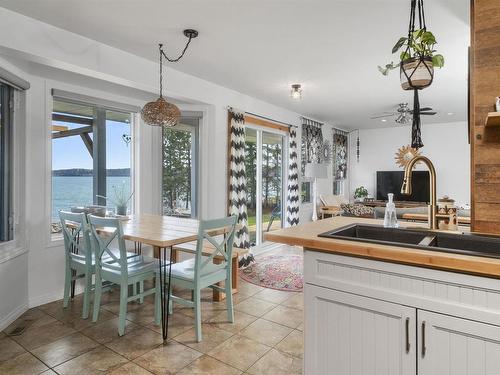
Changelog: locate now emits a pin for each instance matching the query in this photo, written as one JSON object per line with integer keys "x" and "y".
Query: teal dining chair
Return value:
{"x": 79, "y": 262}
{"x": 79, "y": 257}
{"x": 113, "y": 266}
{"x": 201, "y": 271}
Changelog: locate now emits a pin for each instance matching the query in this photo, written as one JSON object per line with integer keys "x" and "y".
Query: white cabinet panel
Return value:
{"x": 456, "y": 346}
{"x": 346, "y": 334}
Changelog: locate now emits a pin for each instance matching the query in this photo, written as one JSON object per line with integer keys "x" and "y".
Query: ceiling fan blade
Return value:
{"x": 428, "y": 113}
{"x": 426, "y": 109}
{"x": 381, "y": 116}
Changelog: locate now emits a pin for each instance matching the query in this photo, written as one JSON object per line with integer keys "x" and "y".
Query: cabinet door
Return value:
{"x": 346, "y": 334}
{"x": 449, "y": 345}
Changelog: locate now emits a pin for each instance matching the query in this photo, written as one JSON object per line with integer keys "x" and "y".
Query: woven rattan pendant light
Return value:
{"x": 161, "y": 112}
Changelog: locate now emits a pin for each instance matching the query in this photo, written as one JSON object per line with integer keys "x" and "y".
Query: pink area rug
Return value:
{"x": 281, "y": 272}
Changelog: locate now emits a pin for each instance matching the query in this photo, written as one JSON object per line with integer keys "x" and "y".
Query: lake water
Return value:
{"x": 69, "y": 191}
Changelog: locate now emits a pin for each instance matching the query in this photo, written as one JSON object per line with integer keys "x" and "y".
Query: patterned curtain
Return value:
{"x": 312, "y": 142}
{"x": 292, "y": 209}
{"x": 238, "y": 182}
{"x": 339, "y": 154}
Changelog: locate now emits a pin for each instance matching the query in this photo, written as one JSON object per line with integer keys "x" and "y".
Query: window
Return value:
{"x": 180, "y": 168}
{"x": 6, "y": 172}
{"x": 91, "y": 157}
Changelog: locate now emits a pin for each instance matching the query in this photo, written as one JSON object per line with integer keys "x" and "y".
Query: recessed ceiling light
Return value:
{"x": 450, "y": 113}
{"x": 384, "y": 120}
{"x": 296, "y": 92}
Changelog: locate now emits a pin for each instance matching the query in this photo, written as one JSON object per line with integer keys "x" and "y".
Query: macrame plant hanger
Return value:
{"x": 416, "y": 5}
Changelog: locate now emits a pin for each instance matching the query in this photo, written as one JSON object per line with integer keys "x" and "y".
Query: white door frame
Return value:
{"x": 258, "y": 182}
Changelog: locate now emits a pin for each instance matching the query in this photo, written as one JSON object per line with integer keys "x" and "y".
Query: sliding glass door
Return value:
{"x": 264, "y": 169}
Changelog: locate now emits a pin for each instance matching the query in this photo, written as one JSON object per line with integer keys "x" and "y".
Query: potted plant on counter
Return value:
{"x": 360, "y": 194}
{"x": 418, "y": 59}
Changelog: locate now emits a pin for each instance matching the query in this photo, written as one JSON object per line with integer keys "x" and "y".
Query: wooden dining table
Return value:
{"x": 163, "y": 233}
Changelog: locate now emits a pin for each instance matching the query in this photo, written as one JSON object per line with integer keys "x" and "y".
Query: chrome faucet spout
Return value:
{"x": 406, "y": 186}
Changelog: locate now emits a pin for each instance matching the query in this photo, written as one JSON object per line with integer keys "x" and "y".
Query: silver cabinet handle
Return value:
{"x": 407, "y": 330}
{"x": 424, "y": 349}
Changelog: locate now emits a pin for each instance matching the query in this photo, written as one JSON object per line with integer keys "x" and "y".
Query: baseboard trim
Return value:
{"x": 50, "y": 297}
{"x": 9, "y": 319}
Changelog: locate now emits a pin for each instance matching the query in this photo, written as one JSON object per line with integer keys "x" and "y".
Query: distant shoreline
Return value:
{"x": 81, "y": 172}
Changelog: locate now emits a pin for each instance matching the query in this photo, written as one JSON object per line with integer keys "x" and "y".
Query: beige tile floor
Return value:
{"x": 266, "y": 338}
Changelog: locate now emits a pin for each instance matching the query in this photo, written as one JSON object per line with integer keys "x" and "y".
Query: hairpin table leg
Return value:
{"x": 164, "y": 288}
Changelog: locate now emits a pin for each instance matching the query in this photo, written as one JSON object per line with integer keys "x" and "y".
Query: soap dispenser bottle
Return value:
{"x": 390, "y": 218}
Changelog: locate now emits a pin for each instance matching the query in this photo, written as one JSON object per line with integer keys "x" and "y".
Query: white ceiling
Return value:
{"x": 261, "y": 47}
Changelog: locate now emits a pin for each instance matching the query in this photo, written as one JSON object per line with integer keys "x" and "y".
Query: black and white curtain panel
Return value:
{"x": 292, "y": 209}
{"x": 312, "y": 142}
{"x": 340, "y": 142}
{"x": 238, "y": 182}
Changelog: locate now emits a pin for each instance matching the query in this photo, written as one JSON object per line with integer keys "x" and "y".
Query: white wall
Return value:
{"x": 446, "y": 145}
{"x": 48, "y": 58}
{"x": 14, "y": 254}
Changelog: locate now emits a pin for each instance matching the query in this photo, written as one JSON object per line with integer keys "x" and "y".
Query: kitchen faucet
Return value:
{"x": 406, "y": 187}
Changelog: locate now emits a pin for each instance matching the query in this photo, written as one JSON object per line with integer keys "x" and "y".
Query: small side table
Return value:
{"x": 332, "y": 211}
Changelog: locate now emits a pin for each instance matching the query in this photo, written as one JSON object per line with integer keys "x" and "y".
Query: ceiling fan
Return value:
{"x": 404, "y": 113}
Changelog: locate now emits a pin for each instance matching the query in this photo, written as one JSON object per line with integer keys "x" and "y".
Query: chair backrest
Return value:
{"x": 75, "y": 229}
{"x": 223, "y": 247}
{"x": 104, "y": 231}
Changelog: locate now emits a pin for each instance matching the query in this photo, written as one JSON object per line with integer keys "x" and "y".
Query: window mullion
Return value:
{"x": 99, "y": 155}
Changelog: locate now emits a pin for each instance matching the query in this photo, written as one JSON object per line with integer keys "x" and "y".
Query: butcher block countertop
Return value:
{"x": 306, "y": 235}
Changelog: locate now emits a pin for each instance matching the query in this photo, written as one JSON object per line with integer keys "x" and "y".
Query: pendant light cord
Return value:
{"x": 172, "y": 60}
{"x": 169, "y": 59}
{"x": 161, "y": 70}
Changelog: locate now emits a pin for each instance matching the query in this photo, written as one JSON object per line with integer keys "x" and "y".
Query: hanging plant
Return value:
{"x": 418, "y": 59}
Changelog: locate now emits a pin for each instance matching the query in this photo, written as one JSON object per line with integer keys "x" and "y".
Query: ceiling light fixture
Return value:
{"x": 161, "y": 112}
{"x": 384, "y": 120}
{"x": 296, "y": 92}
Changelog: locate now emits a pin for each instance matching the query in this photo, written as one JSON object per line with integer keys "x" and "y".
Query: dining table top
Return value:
{"x": 163, "y": 231}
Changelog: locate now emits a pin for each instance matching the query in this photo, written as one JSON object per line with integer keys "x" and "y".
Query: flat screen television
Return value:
{"x": 391, "y": 181}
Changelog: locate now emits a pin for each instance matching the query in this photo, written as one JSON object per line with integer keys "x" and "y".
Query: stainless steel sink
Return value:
{"x": 469, "y": 244}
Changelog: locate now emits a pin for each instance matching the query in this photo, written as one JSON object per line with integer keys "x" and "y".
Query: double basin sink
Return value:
{"x": 468, "y": 244}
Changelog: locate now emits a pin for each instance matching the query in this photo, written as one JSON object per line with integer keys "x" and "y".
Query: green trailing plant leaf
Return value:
{"x": 428, "y": 38}
{"x": 388, "y": 67}
{"x": 438, "y": 61}
{"x": 404, "y": 55}
{"x": 399, "y": 44}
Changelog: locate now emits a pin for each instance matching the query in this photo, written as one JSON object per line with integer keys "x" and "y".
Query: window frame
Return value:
{"x": 195, "y": 161}
{"x": 55, "y": 239}
{"x": 285, "y": 139}
{"x": 17, "y": 245}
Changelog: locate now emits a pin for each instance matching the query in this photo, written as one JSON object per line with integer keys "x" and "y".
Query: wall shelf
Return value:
{"x": 493, "y": 119}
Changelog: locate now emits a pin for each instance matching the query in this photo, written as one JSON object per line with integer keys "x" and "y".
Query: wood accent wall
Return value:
{"x": 485, "y": 143}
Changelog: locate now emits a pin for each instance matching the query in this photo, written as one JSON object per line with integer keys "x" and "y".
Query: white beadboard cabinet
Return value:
{"x": 365, "y": 317}
{"x": 357, "y": 335}
{"x": 450, "y": 345}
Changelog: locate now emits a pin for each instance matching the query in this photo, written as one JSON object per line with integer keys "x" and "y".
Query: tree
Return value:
{"x": 176, "y": 169}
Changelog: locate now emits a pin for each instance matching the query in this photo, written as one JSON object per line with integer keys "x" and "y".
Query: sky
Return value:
{"x": 70, "y": 152}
